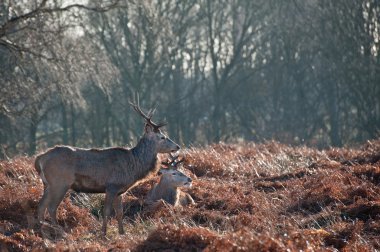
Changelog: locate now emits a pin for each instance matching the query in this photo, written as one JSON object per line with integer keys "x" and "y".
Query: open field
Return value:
{"x": 249, "y": 197}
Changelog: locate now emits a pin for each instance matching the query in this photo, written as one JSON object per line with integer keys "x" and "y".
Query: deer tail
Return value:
{"x": 39, "y": 168}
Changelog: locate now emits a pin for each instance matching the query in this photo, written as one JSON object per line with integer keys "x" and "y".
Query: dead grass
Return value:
{"x": 249, "y": 197}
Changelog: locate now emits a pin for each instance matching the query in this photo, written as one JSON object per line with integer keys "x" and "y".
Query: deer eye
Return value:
{"x": 162, "y": 137}
{"x": 173, "y": 173}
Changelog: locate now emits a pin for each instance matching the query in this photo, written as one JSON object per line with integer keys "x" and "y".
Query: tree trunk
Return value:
{"x": 65, "y": 126}
{"x": 33, "y": 134}
{"x": 333, "y": 111}
{"x": 73, "y": 129}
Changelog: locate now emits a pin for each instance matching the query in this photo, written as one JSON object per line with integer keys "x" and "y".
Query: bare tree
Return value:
{"x": 41, "y": 71}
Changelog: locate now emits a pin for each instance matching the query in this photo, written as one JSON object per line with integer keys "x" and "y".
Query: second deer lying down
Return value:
{"x": 168, "y": 188}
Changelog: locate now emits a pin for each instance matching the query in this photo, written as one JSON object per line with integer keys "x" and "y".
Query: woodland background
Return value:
{"x": 300, "y": 71}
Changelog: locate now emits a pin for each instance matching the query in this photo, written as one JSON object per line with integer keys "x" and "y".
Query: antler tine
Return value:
{"x": 138, "y": 110}
{"x": 151, "y": 112}
{"x": 148, "y": 118}
{"x": 173, "y": 158}
{"x": 176, "y": 163}
{"x": 181, "y": 161}
{"x": 173, "y": 161}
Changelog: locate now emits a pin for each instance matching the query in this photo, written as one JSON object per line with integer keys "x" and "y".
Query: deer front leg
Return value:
{"x": 109, "y": 199}
{"x": 118, "y": 206}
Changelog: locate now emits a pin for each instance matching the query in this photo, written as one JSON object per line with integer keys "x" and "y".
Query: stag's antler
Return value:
{"x": 148, "y": 118}
{"x": 173, "y": 163}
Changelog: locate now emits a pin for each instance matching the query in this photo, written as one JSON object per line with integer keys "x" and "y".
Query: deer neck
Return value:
{"x": 166, "y": 185}
{"x": 146, "y": 155}
{"x": 166, "y": 191}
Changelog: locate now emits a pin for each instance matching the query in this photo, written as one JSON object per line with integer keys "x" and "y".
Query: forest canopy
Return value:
{"x": 300, "y": 71}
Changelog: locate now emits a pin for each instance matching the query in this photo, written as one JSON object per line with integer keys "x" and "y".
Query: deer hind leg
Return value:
{"x": 56, "y": 196}
{"x": 110, "y": 197}
{"x": 42, "y": 205}
{"x": 118, "y": 206}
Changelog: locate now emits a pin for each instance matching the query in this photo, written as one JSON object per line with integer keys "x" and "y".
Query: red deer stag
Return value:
{"x": 111, "y": 171}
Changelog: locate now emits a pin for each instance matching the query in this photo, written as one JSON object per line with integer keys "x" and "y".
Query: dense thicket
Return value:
{"x": 296, "y": 71}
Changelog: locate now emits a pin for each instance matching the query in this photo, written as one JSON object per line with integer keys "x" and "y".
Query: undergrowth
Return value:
{"x": 249, "y": 197}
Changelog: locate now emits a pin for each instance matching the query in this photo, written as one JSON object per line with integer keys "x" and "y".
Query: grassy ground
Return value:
{"x": 249, "y": 197}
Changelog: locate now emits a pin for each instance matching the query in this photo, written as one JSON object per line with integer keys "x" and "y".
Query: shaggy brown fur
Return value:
{"x": 112, "y": 171}
{"x": 168, "y": 189}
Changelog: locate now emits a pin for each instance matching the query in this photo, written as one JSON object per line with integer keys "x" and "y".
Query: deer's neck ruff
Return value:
{"x": 145, "y": 156}
{"x": 164, "y": 190}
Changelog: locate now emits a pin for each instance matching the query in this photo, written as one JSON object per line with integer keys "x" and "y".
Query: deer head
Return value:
{"x": 172, "y": 175}
{"x": 153, "y": 133}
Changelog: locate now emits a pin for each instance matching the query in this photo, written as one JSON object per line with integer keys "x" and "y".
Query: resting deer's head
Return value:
{"x": 172, "y": 175}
